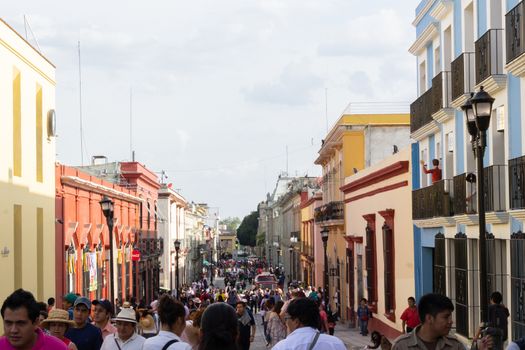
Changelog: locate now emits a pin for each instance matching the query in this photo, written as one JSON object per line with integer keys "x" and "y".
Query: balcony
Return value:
{"x": 494, "y": 188}
{"x": 489, "y": 61}
{"x": 307, "y": 250}
{"x": 421, "y": 111}
{"x": 465, "y": 198}
{"x": 330, "y": 214}
{"x": 517, "y": 183}
{"x": 441, "y": 108}
{"x": 463, "y": 78}
{"x": 432, "y": 201}
{"x": 514, "y": 36}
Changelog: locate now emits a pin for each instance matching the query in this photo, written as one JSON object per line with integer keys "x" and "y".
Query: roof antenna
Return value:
{"x": 26, "y": 26}
{"x": 80, "y": 107}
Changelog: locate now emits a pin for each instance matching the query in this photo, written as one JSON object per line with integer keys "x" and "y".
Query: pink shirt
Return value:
{"x": 43, "y": 342}
{"x": 107, "y": 330}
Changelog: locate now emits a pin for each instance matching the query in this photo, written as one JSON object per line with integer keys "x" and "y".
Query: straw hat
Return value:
{"x": 127, "y": 315}
{"x": 57, "y": 315}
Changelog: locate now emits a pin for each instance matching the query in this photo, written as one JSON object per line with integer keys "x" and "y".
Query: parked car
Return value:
{"x": 266, "y": 280}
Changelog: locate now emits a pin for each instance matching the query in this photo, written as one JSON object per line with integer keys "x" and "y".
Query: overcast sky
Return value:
{"x": 220, "y": 88}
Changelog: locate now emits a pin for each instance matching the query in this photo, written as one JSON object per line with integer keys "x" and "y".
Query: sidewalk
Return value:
{"x": 351, "y": 337}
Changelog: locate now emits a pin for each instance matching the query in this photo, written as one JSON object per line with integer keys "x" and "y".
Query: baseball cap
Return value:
{"x": 83, "y": 301}
{"x": 70, "y": 298}
{"x": 104, "y": 303}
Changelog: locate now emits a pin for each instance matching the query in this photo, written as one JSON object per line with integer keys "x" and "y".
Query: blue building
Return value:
{"x": 460, "y": 46}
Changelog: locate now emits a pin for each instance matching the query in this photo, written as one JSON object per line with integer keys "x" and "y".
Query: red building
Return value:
{"x": 82, "y": 233}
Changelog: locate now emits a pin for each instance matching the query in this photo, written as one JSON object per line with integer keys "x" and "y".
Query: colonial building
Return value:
{"x": 27, "y": 168}
{"x": 379, "y": 254}
{"x": 172, "y": 207}
{"x": 460, "y": 46}
{"x": 311, "y": 263}
{"x": 82, "y": 235}
{"x": 198, "y": 235}
{"x": 356, "y": 141}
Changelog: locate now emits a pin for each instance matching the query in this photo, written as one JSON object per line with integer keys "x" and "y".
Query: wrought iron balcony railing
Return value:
{"x": 462, "y": 69}
{"x": 330, "y": 211}
{"x": 464, "y": 195}
{"x": 515, "y": 32}
{"x": 489, "y": 54}
{"x": 421, "y": 111}
{"x": 441, "y": 91}
{"x": 432, "y": 201}
{"x": 494, "y": 195}
{"x": 517, "y": 183}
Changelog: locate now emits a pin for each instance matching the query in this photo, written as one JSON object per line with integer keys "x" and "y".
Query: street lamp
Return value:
{"x": 478, "y": 110}
{"x": 278, "y": 256}
{"x": 107, "y": 206}
{"x": 293, "y": 241}
{"x": 324, "y": 237}
{"x": 177, "y": 248}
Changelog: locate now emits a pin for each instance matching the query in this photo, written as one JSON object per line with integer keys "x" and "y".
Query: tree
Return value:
{"x": 232, "y": 223}
{"x": 247, "y": 231}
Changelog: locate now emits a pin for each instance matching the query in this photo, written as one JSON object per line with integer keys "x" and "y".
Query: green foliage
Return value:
{"x": 232, "y": 223}
{"x": 247, "y": 231}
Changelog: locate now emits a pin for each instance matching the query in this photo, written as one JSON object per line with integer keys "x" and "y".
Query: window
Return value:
{"x": 461, "y": 283}
{"x": 39, "y": 134}
{"x": 17, "y": 239}
{"x": 389, "y": 268}
{"x": 85, "y": 271}
{"x": 500, "y": 118}
{"x": 439, "y": 281}
{"x": 371, "y": 261}
{"x": 40, "y": 252}
{"x": 450, "y": 140}
{"x": 517, "y": 282}
{"x": 17, "y": 124}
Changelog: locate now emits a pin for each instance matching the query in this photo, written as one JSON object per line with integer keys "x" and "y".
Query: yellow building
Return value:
{"x": 27, "y": 168}
{"x": 227, "y": 243}
{"x": 355, "y": 142}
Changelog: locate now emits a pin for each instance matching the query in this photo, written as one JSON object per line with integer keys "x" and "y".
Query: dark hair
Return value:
{"x": 196, "y": 317}
{"x": 170, "y": 310}
{"x": 219, "y": 328}
{"x": 496, "y": 297}
{"x": 435, "y": 162}
{"x": 242, "y": 303}
{"x": 432, "y": 304}
{"x": 305, "y": 311}
{"x": 51, "y": 301}
{"x": 412, "y": 298}
{"x": 364, "y": 299}
{"x": 278, "y": 306}
{"x": 22, "y": 298}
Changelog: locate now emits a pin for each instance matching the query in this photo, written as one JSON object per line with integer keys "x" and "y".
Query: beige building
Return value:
{"x": 27, "y": 168}
{"x": 380, "y": 247}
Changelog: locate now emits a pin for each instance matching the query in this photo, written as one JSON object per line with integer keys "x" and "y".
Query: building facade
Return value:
{"x": 27, "y": 169}
{"x": 460, "y": 46}
{"x": 83, "y": 236}
{"x": 379, "y": 251}
{"x": 172, "y": 207}
{"x": 311, "y": 263}
{"x": 355, "y": 142}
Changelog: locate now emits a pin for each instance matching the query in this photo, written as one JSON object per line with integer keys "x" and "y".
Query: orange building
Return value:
{"x": 83, "y": 237}
{"x": 82, "y": 234}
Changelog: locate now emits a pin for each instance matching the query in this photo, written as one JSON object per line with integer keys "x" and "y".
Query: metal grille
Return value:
{"x": 517, "y": 182}
{"x": 421, "y": 111}
{"x": 388, "y": 258}
{"x": 488, "y": 55}
{"x": 432, "y": 201}
{"x": 371, "y": 264}
{"x": 494, "y": 195}
{"x": 515, "y": 32}
{"x": 517, "y": 277}
{"x": 440, "y": 277}
{"x": 462, "y": 74}
{"x": 461, "y": 271}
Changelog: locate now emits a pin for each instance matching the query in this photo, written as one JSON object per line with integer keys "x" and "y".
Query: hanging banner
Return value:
{"x": 92, "y": 264}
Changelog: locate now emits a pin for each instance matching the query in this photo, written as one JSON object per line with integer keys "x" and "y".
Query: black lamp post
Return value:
{"x": 478, "y": 110}
{"x": 278, "y": 256}
{"x": 108, "y": 210}
{"x": 270, "y": 256}
{"x": 177, "y": 248}
{"x": 324, "y": 236}
{"x": 290, "y": 250}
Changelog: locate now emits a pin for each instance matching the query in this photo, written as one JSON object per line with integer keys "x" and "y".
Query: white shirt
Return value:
{"x": 301, "y": 338}
{"x": 135, "y": 342}
{"x": 157, "y": 342}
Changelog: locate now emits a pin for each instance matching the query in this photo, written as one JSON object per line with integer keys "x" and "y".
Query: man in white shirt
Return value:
{"x": 302, "y": 318}
{"x": 173, "y": 320}
{"x": 125, "y": 338}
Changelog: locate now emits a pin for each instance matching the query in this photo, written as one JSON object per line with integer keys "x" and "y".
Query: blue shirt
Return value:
{"x": 88, "y": 337}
